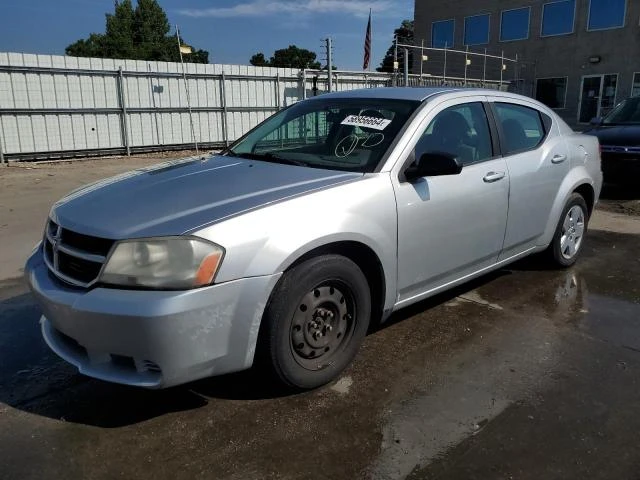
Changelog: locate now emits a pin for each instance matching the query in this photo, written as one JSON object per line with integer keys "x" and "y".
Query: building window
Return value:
{"x": 558, "y": 18}
{"x": 442, "y": 33}
{"x": 514, "y": 24}
{"x": 476, "y": 30}
{"x": 552, "y": 91}
{"x": 605, "y": 14}
{"x": 635, "y": 88}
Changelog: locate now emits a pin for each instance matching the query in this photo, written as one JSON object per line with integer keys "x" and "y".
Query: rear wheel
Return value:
{"x": 316, "y": 321}
{"x": 569, "y": 236}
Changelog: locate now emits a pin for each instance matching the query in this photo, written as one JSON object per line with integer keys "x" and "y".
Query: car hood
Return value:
{"x": 622, "y": 135}
{"x": 177, "y": 197}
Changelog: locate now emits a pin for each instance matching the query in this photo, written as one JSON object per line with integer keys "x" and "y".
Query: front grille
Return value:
{"x": 74, "y": 258}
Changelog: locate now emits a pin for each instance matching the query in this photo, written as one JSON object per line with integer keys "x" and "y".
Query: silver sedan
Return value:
{"x": 321, "y": 221}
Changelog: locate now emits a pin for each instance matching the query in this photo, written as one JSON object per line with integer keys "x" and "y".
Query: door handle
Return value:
{"x": 558, "y": 159}
{"x": 493, "y": 177}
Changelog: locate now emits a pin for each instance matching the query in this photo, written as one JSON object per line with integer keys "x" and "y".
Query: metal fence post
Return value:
{"x": 466, "y": 65}
{"x": 223, "y": 97}
{"x": 1, "y": 154}
{"x": 123, "y": 106}
{"x": 502, "y": 67}
{"x": 484, "y": 70}
{"x": 406, "y": 67}
{"x": 444, "y": 70}
{"x": 330, "y": 63}
{"x": 304, "y": 84}
{"x": 517, "y": 75}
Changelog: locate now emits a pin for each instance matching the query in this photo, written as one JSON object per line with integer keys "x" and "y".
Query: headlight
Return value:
{"x": 175, "y": 263}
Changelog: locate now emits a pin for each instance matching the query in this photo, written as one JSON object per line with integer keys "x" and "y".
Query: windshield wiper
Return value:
{"x": 269, "y": 157}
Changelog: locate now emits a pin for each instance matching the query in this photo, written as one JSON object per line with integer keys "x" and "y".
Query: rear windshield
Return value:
{"x": 628, "y": 112}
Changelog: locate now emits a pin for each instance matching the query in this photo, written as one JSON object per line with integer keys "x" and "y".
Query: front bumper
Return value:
{"x": 152, "y": 339}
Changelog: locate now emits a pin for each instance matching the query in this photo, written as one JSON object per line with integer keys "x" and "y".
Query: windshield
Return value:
{"x": 350, "y": 134}
{"x": 628, "y": 112}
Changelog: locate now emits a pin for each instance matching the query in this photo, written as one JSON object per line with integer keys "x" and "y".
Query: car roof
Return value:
{"x": 392, "y": 93}
{"x": 420, "y": 94}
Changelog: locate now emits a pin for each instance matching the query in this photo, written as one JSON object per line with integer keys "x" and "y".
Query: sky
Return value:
{"x": 231, "y": 30}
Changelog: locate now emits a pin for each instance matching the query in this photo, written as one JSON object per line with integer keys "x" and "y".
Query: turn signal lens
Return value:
{"x": 208, "y": 269}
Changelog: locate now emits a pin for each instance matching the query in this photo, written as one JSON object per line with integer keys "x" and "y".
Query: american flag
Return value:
{"x": 367, "y": 45}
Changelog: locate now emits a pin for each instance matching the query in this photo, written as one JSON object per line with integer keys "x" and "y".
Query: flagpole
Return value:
{"x": 186, "y": 87}
{"x": 371, "y": 47}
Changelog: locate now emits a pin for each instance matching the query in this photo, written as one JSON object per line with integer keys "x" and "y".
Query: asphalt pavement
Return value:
{"x": 527, "y": 373}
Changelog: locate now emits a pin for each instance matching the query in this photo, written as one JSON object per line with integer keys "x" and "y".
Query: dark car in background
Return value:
{"x": 619, "y": 135}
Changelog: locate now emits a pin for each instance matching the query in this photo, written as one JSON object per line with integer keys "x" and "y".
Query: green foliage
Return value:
{"x": 290, "y": 57}
{"x": 405, "y": 35}
{"x": 258, "y": 60}
{"x": 138, "y": 34}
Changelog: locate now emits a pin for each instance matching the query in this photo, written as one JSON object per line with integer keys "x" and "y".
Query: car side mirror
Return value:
{"x": 433, "y": 164}
{"x": 597, "y": 121}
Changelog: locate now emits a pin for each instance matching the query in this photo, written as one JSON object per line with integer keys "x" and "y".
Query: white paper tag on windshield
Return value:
{"x": 366, "y": 122}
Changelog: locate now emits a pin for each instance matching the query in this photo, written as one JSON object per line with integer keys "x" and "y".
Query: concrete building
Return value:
{"x": 580, "y": 57}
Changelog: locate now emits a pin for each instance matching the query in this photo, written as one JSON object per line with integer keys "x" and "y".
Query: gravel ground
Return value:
{"x": 620, "y": 200}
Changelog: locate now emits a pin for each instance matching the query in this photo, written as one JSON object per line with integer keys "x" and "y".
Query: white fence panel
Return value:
{"x": 57, "y": 106}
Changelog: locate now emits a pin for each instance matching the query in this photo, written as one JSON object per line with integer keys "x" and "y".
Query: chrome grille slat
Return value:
{"x": 72, "y": 264}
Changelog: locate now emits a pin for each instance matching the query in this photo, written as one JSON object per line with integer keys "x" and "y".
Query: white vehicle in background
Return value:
{"x": 331, "y": 215}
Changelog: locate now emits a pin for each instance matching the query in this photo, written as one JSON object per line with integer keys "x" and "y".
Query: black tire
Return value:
{"x": 315, "y": 321}
{"x": 555, "y": 250}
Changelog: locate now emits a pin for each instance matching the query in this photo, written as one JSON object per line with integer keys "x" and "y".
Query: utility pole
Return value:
{"x": 329, "y": 46}
{"x": 396, "y": 65}
{"x": 406, "y": 67}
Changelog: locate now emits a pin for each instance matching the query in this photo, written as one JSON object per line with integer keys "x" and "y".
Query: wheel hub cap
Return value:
{"x": 321, "y": 324}
{"x": 572, "y": 232}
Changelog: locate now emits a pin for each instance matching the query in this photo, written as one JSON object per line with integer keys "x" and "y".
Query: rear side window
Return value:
{"x": 523, "y": 127}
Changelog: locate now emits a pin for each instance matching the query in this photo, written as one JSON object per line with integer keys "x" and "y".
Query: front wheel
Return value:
{"x": 569, "y": 236}
{"x": 316, "y": 320}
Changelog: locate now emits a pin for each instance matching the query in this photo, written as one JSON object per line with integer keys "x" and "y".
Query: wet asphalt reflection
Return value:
{"x": 525, "y": 373}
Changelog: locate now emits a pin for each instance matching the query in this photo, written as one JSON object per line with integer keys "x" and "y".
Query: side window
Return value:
{"x": 461, "y": 130}
{"x": 522, "y": 127}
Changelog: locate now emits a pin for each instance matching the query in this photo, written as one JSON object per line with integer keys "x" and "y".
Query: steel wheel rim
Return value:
{"x": 322, "y": 324}
{"x": 572, "y": 232}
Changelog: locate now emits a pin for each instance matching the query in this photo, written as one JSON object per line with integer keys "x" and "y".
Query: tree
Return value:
{"x": 404, "y": 34}
{"x": 139, "y": 34}
{"x": 91, "y": 47}
{"x": 118, "y": 38}
{"x": 258, "y": 60}
{"x": 290, "y": 57}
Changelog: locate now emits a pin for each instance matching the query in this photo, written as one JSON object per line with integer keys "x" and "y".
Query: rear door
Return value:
{"x": 537, "y": 160}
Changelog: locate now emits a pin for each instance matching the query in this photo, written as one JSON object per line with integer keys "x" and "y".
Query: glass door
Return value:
{"x": 589, "y": 98}
{"x": 608, "y": 96}
{"x": 597, "y": 96}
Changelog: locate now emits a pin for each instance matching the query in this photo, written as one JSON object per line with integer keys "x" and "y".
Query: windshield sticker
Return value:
{"x": 366, "y": 122}
{"x": 346, "y": 146}
{"x": 373, "y": 140}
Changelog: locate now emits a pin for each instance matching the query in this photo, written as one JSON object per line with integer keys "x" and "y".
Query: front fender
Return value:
{"x": 576, "y": 177}
{"x": 271, "y": 239}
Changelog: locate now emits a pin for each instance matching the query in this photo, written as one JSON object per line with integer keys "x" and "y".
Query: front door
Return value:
{"x": 451, "y": 226}
{"x": 597, "y": 96}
